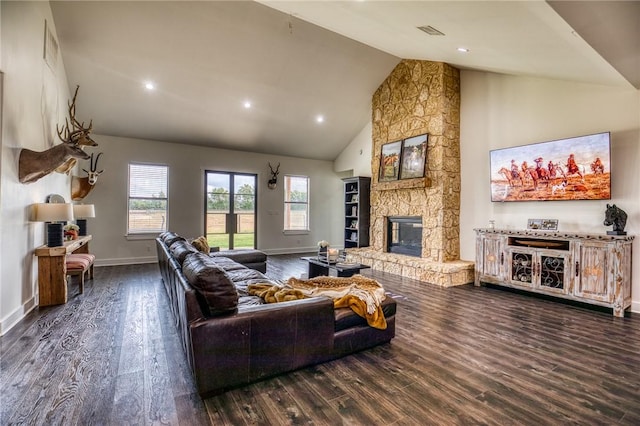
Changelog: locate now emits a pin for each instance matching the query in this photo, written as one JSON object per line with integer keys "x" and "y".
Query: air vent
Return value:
{"x": 430, "y": 30}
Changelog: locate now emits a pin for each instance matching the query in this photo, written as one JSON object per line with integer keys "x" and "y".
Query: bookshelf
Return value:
{"x": 356, "y": 211}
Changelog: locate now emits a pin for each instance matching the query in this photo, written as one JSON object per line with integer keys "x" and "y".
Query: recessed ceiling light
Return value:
{"x": 247, "y": 104}
{"x": 149, "y": 85}
{"x": 463, "y": 49}
{"x": 320, "y": 119}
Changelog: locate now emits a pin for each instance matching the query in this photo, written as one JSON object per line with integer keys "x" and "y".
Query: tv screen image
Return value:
{"x": 577, "y": 168}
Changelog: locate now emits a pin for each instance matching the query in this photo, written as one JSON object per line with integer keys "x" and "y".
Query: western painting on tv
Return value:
{"x": 577, "y": 168}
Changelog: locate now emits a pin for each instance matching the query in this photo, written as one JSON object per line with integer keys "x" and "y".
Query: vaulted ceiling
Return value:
{"x": 297, "y": 60}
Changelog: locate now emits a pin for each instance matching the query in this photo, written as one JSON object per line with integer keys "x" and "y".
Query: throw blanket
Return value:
{"x": 363, "y": 295}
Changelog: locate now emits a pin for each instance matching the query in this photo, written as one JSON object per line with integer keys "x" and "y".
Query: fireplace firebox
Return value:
{"x": 404, "y": 235}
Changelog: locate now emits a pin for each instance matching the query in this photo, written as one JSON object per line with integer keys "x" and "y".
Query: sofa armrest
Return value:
{"x": 261, "y": 341}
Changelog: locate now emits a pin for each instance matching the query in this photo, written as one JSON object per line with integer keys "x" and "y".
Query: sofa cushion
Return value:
{"x": 181, "y": 249}
{"x": 228, "y": 264}
{"x": 211, "y": 282}
{"x": 243, "y": 255}
{"x": 171, "y": 238}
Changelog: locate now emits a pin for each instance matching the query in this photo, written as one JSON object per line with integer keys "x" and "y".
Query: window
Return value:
{"x": 147, "y": 208}
{"x": 296, "y": 203}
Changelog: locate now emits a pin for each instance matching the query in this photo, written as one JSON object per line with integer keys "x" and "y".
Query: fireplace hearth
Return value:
{"x": 404, "y": 235}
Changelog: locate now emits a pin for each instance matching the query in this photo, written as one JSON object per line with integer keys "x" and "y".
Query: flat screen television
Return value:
{"x": 577, "y": 168}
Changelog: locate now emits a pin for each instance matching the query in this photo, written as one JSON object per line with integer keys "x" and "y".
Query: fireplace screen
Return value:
{"x": 404, "y": 235}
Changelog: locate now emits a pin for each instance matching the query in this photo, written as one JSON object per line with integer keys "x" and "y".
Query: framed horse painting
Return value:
{"x": 390, "y": 161}
{"x": 414, "y": 153}
{"x": 577, "y": 168}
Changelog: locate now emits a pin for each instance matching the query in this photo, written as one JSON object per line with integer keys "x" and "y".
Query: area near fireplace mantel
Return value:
{"x": 419, "y": 97}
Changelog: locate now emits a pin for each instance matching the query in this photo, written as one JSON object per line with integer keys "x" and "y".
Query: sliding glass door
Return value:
{"x": 230, "y": 210}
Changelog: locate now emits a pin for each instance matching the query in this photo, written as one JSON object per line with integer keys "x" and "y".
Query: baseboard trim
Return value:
{"x": 290, "y": 250}
{"x": 8, "y": 322}
{"x": 635, "y": 307}
{"x": 126, "y": 261}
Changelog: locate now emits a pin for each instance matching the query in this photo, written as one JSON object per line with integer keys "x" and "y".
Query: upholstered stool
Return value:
{"x": 79, "y": 264}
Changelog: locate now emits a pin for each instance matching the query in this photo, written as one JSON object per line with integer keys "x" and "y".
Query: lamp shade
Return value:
{"x": 81, "y": 211}
{"x": 54, "y": 212}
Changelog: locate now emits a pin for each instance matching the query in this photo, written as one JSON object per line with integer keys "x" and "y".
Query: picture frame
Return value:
{"x": 390, "y": 161}
{"x": 542, "y": 224}
{"x": 576, "y": 168}
{"x": 414, "y": 155}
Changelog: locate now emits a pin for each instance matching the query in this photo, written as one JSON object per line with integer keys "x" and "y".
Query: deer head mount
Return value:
{"x": 33, "y": 165}
{"x": 79, "y": 135}
{"x": 274, "y": 177}
{"x": 81, "y": 186}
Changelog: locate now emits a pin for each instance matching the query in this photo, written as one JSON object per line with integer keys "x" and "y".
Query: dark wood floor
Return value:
{"x": 462, "y": 355}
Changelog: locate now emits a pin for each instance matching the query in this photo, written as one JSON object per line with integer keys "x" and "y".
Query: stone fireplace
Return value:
{"x": 419, "y": 97}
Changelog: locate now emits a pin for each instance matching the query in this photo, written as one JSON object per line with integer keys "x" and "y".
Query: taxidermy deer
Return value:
{"x": 274, "y": 177}
{"x": 81, "y": 186}
{"x": 79, "y": 135}
{"x": 33, "y": 165}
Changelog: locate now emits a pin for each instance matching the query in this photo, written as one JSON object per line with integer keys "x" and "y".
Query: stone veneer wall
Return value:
{"x": 420, "y": 97}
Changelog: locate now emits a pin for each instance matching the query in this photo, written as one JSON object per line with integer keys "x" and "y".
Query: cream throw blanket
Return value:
{"x": 363, "y": 295}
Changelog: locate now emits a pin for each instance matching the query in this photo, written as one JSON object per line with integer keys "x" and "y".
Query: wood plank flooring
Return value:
{"x": 461, "y": 356}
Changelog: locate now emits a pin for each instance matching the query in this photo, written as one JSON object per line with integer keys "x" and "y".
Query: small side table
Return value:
{"x": 52, "y": 273}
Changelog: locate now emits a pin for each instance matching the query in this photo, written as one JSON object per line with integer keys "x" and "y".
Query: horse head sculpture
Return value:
{"x": 617, "y": 217}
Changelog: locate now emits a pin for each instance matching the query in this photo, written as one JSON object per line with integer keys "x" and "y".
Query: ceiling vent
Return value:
{"x": 430, "y": 30}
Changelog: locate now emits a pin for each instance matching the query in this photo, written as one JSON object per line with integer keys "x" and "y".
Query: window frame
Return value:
{"x": 146, "y": 234}
{"x": 307, "y": 204}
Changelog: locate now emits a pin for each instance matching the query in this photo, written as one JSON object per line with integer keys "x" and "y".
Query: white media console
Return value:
{"x": 588, "y": 268}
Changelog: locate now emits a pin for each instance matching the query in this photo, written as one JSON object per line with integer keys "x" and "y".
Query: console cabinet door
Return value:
{"x": 553, "y": 272}
{"x": 520, "y": 267}
{"x": 545, "y": 270}
{"x": 591, "y": 272}
{"x": 493, "y": 256}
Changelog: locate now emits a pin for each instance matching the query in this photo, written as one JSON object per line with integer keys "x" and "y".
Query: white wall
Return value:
{"x": 34, "y": 99}
{"x": 187, "y": 165}
{"x": 356, "y": 157}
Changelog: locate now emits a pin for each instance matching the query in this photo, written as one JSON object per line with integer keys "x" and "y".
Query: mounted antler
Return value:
{"x": 92, "y": 174}
{"x": 81, "y": 186}
{"x": 79, "y": 135}
{"x": 274, "y": 177}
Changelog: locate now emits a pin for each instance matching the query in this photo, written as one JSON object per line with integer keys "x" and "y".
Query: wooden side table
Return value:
{"x": 52, "y": 274}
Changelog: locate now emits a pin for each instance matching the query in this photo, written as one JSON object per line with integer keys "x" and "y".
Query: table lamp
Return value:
{"x": 55, "y": 214}
{"x": 81, "y": 212}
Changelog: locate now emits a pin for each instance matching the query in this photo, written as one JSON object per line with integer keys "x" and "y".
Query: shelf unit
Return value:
{"x": 357, "y": 192}
{"x": 588, "y": 268}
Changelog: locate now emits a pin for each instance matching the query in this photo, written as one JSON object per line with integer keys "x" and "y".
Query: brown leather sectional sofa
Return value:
{"x": 232, "y": 338}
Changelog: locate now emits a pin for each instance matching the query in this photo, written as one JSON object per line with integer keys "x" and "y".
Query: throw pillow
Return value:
{"x": 212, "y": 283}
{"x": 201, "y": 244}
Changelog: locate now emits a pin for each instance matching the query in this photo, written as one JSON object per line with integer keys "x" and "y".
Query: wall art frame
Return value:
{"x": 414, "y": 156}
{"x": 574, "y": 168}
{"x": 390, "y": 161}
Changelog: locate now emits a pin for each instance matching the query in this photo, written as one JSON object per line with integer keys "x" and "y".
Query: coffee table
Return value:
{"x": 322, "y": 268}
